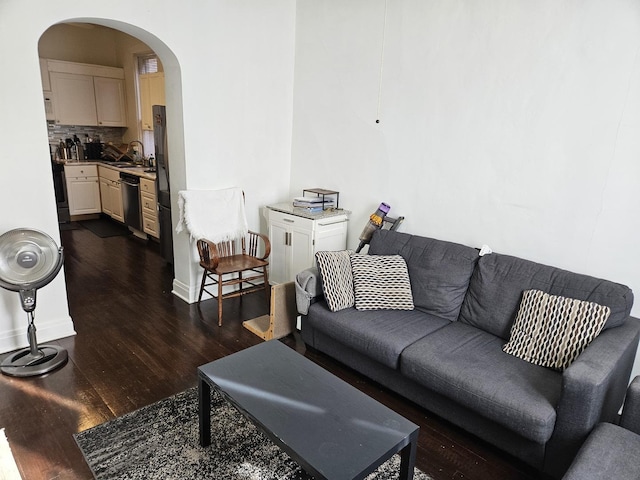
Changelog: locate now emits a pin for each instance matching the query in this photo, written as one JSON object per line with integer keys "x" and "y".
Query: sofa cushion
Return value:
{"x": 468, "y": 365}
{"x": 381, "y": 282}
{"x": 498, "y": 281}
{"x": 552, "y": 330}
{"x": 337, "y": 280}
{"x": 439, "y": 271}
{"x": 382, "y": 335}
{"x": 609, "y": 452}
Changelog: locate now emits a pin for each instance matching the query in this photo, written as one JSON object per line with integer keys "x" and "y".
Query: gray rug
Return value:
{"x": 105, "y": 228}
{"x": 160, "y": 441}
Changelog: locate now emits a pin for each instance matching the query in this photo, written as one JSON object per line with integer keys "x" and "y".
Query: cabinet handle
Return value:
{"x": 331, "y": 223}
{"x": 288, "y": 220}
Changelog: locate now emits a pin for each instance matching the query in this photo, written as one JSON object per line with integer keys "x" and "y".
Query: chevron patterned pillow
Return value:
{"x": 337, "y": 281}
{"x": 381, "y": 282}
{"x": 551, "y": 330}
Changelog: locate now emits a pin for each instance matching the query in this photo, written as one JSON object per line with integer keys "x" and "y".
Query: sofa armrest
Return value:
{"x": 308, "y": 289}
{"x": 631, "y": 411}
{"x": 593, "y": 389}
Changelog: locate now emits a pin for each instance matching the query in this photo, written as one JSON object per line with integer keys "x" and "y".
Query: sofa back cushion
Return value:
{"x": 499, "y": 281}
{"x": 439, "y": 271}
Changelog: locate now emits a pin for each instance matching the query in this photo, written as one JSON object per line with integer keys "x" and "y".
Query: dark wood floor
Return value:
{"x": 136, "y": 343}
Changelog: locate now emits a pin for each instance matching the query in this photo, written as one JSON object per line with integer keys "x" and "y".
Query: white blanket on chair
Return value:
{"x": 216, "y": 215}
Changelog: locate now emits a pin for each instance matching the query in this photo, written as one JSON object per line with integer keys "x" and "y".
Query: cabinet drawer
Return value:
{"x": 148, "y": 186}
{"x": 292, "y": 220}
{"x": 71, "y": 171}
{"x": 148, "y": 204}
{"x": 150, "y": 224}
{"x": 109, "y": 174}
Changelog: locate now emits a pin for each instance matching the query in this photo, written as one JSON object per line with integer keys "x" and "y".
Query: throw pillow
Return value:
{"x": 337, "y": 281}
{"x": 381, "y": 282}
{"x": 551, "y": 330}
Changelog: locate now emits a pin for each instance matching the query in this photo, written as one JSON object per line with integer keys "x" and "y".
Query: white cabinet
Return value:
{"x": 46, "y": 89}
{"x": 74, "y": 99}
{"x": 111, "y": 193}
{"x": 296, "y": 237}
{"x": 85, "y": 94}
{"x": 83, "y": 189}
{"x": 149, "y": 204}
{"x": 151, "y": 93}
{"x": 110, "y": 105}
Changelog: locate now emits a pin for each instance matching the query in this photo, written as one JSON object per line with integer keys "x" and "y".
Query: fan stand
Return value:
{"x": 29, "y": 260}
{"x": 35, "y": 360}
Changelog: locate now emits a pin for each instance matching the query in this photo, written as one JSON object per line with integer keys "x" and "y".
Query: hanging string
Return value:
{"x": 384, "y": 35}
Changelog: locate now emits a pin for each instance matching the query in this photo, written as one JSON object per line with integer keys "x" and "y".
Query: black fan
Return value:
{"x": 30, "y": 259}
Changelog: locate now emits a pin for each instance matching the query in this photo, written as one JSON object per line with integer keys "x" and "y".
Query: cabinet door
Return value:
{"x": 151, "y": 93}
{"x": 301, "y": 254}
{"x": 109, "y": 100}
{"x": 278, "y": 259}
{"x": 74, "y": 99}
{"x": 105, "y": 196}
{"x": 84, "y": 195}
{"x": 115, "y": 198}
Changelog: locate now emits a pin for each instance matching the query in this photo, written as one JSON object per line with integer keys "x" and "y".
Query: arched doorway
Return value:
{"x": 116, "y": 44}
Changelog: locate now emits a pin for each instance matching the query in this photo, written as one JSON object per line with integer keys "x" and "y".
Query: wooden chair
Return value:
{"x": 225, "y": 266}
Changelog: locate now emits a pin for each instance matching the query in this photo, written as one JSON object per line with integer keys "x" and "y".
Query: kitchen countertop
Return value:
{"x": 138, "y": 170}
{"x": 301, "y": 212}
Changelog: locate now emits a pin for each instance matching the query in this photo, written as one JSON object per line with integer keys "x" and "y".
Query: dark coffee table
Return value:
{"x": 331, "y": 429}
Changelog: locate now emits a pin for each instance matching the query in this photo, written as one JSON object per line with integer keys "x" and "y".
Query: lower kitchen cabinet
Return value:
{"x": 83, "y": 189}
{"x": 111, "y": 193}
{"x": 296, "y": 236}
{"x": 149, "y": 204}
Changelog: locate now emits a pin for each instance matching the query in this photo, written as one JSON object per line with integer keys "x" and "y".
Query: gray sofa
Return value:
{"x": 611, "y": 451}
{"x": 446, "y": 354}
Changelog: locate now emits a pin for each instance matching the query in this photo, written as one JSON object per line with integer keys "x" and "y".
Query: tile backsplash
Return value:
{"x": 106, "y": 134}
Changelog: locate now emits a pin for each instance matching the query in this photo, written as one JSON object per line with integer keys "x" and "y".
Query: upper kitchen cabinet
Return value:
{"x": 74, "y": 99}
{"x": 110, "y": 104}
{"x": 86, "y": 94}
{"x": 46, "y": 90}
{"x": 151, "y": 93}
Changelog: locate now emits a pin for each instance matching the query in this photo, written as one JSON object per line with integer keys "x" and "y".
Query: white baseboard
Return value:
{"x": 183, "y": 291}
{"x": 15, "y": 339}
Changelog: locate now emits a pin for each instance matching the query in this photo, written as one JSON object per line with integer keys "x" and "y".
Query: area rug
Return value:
{"x": 105, "y": 228}
{"x": 161, "y": 442}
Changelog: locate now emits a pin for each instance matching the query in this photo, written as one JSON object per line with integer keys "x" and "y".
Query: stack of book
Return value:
{"x": 313, "y": 204}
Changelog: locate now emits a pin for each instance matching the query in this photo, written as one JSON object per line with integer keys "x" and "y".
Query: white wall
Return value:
{"x": 229, "y": 69}
{"x": 507, "y": 122}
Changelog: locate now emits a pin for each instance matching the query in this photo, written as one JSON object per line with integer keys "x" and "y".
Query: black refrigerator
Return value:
{"x": 162, "y": 182}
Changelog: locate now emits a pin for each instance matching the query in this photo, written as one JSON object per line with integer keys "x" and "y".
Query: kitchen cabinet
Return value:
{"x": 111, "y": 193}
{"x": 74, "y": 99}
{"x": 296, "y": 236}
{"x": 110, "y": 104}
{"x": 46, "y": 90}
{"x": 83, "y": 94}
{"x": 83, "y": 189}
{"x": 149, "y": 203}
{"x": 151, "y": 93}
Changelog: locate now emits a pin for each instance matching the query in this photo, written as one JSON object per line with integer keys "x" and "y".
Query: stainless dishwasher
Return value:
{"x": 131, "y": 200}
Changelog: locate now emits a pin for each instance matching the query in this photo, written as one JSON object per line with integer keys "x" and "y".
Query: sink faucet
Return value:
{"x": 138, "y": 142}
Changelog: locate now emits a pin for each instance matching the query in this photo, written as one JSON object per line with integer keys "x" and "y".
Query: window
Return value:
{"x": 147, "y": 64}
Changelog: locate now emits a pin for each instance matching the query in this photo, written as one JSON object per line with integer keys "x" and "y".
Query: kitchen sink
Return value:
{"x": 121, "y": 164}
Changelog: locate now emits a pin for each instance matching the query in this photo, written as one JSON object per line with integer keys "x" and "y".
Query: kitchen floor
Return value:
{"x": 137, "y": 343}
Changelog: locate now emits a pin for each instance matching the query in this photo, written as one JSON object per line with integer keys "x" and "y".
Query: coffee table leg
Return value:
{"x": 408, "y": 458}
{"x": 204, "y": 412}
